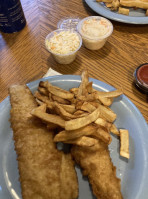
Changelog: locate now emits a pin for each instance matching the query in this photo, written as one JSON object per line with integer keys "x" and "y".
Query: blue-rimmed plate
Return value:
{"x": 135, "y": 16}
{"x": 133, "y": 173}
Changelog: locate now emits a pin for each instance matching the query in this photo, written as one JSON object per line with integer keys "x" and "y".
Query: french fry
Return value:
{"x": 107, "y": 113}
{"x": 81, "y": 113}
{"x": 63, "y": 113}
{"x": 74, "y": 90}
{"x": 114, "y": 130}
{"x": 78, "y": 104}
{"x": 115, "y": 4}
{"x": 42, "y": 107}
{"x": 85, "y": 80}
{"x": 90, "y": 97}
{"x": 89, "y": 87}
{"x": 83, "y": 141}
{"x": 50, "y": 98}
{"x": 49, "y": 118}
{"x": 103, "y": 123}
{"x": 73, "y": 100}
{"x": 103, "y": 135}
{"x": 43, "y": 91}
{"x": 104, "y": 100}
{"x": 69, "y": 108}
{"x": 70, "y": 135}
{"x": 124, "y": 143}
{"x": 114, "y": 93}
{"x": 95, "y": 103}
{"x": 108, "y": 5}
{"x": 132, "y": 3}
{"x": 59, "y": 99}
{"x": 123, "y": 11}
{"x": 45, "y": 84}
{"x": 57, "y": 91}
{"x": 44, "y": 99}
{"x": 86, "y": 106}
{"x": 80, "y": 122}
{"x": 39, "y": 102}
{"x": 41, "y": 97}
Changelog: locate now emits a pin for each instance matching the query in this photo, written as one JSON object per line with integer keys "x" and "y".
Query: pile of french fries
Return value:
{"x": 80, "y": 116}
{"x": 122, "y": 6}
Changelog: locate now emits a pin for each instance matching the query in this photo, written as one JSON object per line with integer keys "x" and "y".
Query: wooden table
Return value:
{"x": 23, "y": 56}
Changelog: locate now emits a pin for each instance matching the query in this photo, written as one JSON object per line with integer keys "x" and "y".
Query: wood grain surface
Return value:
{"x": 23, "y": 56}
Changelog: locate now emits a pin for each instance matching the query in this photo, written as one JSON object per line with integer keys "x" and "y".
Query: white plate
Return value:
{"x": 135, "y": 16}
{"x": 133, "y": 173}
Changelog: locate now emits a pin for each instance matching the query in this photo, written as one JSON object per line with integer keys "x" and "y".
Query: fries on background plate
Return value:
{"x": 123, "y": 6}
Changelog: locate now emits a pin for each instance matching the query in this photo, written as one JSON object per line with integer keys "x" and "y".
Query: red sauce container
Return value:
{"x": 141, "y": 77}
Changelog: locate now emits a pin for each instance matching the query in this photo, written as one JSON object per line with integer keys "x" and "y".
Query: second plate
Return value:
{"x": 136, "y": 16}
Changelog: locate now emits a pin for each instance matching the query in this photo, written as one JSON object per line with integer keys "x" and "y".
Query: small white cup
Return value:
{"x": 97, "y": 42}
{"x": 63, "y": 58}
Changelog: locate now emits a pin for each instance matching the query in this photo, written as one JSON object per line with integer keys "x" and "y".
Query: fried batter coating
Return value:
{"x": 45, "y": 172}
{"x": 96, "y": 164}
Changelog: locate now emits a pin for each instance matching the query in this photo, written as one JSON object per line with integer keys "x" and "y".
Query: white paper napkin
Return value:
{"x": 51, "y": 72}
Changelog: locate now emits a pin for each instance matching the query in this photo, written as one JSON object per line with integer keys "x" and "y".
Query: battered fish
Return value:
{"x": 96, "y": 164}
{"x": 45, "y": 172}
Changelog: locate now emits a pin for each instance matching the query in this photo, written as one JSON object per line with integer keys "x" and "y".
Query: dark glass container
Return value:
{"x": 12, "y": 17}
{"x": 141, "y": 77}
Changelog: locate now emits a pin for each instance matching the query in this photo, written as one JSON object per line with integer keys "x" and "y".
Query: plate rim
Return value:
{"x": 95, "y": 6}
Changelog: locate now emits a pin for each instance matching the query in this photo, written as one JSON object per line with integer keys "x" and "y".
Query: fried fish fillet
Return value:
{"x": 96, "y": 164}
{"x": 45, "y": 172}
